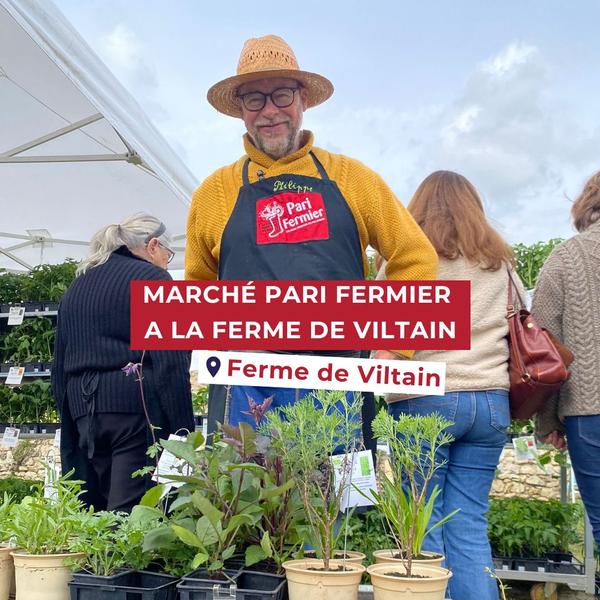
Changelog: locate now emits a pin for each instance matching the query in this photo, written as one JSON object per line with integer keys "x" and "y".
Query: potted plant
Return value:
{"x": 212, "y": 511}
{"x": 406, "y": 504}
{"x": 44, "y": 528}
{"x": 114, "y": 561}
{"x": 7, "y": 570}
{"x": 306, "y": 435}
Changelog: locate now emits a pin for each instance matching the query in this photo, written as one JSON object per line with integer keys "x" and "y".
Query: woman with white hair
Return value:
{"x": 105, "y": 419}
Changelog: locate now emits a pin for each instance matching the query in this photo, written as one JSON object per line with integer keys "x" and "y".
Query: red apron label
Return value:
{"x": 290, "y": 218}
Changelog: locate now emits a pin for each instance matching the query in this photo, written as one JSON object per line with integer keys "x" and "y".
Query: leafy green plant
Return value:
{"x": 48, "y": 282}
{"x": 110, "y": 541}
{"x": 11, "y": 287}
{"x": 216, "y": 506}
{"x": 6, "y": 516}
{"x": 33, "y": 402}
{"x": 200, "y": 401}
{"x": 17, "y": 488}
{"x": 277, "y": 536}
{"x": 48, "y": 525}
{"x": 529, "y": 260}
{"x": 367, "y": 533}
{"x": 404, "y": 499}
{"x": 531, "y": 528}
{"x": 306, "y": 434}
{"x": 32, "y": 340}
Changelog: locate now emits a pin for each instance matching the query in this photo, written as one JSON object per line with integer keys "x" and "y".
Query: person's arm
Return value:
{"x": 203, "y": 231}
{"x": 547, "y": 308}
{"x": 397, "y": 237}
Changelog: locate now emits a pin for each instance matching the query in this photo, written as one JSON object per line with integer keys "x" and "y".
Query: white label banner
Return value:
{"x": 15, "y": 375}
{"x": 322, "y": 373}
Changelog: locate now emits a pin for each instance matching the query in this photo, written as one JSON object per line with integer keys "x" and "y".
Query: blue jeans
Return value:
{"x": 479, "y": 430}
{"x": 583, "y": 436}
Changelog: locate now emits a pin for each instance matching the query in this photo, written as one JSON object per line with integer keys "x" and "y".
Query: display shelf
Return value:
{"x": 585, "y": 582}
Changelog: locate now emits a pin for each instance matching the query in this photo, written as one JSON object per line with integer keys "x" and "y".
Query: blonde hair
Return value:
{"x": 448, "y": 209}
{"x": 586, "y": 209}
{"x": 132, "y": 232}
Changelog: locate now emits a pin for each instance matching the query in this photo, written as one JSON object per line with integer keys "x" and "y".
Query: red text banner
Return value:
{"x": 300, "y": 315}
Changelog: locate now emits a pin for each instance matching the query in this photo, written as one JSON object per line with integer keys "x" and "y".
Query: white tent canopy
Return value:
{"x": 76, "y": 150}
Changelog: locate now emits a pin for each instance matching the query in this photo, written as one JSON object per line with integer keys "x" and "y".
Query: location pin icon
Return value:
{"x": 213, "y": 364}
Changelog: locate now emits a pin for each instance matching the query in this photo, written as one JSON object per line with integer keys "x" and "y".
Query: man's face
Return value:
{"x": 274, "y": 130}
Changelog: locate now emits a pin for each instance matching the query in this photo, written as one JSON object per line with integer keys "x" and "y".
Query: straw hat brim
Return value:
{"x": 223, "y": 97}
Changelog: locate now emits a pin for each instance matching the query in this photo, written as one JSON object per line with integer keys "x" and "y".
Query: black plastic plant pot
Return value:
{"x": 129, "y": 585}
{"x": 89, "y": 579}
{"x": 503, "y": 563}
{"x": 5, "y": 367}
{"x": 49, "y": 306}
{"x": 28, "y": 427}
{"x": 5, "y": 308}
{"x": 560, "y": 556}
{"x": 536, "y": 565}
{"x": 197, "y": 585}
{"x": 47, "y": 427}
{"x": 32, "y": 306}
{"x": 198, "y": 420}
{"x": 3, "y": 426}
{"x": 252, "y": 585}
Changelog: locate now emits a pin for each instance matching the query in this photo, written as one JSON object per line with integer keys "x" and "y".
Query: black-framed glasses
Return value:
{"x": 281, "y": 98}
{"x": 171, "y": 252}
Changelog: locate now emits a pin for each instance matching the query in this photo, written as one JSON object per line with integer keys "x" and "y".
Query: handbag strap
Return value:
{"x": 513, "y": 289}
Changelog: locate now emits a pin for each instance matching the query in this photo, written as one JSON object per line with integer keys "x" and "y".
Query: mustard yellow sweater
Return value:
{"x": 382, "y": 221}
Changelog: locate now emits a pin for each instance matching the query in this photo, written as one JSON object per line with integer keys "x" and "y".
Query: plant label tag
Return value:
{"x": 169, "y": 464}
{"x": 56, "y": 442}
{"x": 16, "y": 315}
{"x": 51, "y": 476}
{"x": 15, "y": 375}
{"x": 525, "y": 448}
{"x": 10, "y": 439}
{"x": 360, "y": 475}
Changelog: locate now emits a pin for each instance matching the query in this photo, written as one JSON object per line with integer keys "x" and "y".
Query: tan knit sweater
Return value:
{"x": 567, "y": 303}
{"x": 485, "y": 365}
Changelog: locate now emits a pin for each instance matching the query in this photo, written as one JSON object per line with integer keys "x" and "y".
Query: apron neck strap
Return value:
{"x": 320, "y": 169}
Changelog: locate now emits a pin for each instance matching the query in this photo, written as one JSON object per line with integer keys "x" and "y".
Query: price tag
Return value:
{"x": 169, "y": 464}
{"x": 16, "y": 315}
{"x": 11, "y": 437}
{"x": 525, "y": 448}
{"x": 56, "y": 442}
{"x": 360, "y": 475}
{"x": 15, "y": 375}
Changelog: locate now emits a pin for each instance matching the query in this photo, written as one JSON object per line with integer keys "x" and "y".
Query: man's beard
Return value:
{"x": 278, "y": 148}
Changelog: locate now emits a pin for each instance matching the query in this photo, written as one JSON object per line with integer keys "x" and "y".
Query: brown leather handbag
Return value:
{"x": 538, "y": 363}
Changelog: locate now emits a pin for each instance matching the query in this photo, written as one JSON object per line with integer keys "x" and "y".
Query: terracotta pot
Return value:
{"x": 43, "y": 576}
{"x": 7, "y": 572}
{"x": 304, "y": 584}
{"x": 430, "y": 586}
{"x": 352, "y": 556}
{"x": 387, "y": 556}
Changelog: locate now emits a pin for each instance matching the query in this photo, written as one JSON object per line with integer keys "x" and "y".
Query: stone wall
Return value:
{"x": 512, "y": 479}
{"x": 525, "y": 479}
{"x": 26, "y": 460}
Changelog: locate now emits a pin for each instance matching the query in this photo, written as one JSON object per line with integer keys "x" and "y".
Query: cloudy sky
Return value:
{"x": 506, "y": 93}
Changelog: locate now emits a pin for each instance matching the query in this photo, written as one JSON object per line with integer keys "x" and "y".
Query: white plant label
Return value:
{"x": 16, "y": 315}
{"x": 525, "y": 448}
{"x": 169, "y": 464}
{"x": 15, "y": 375}
{"x": 51, "y": 476}
{"x": 10, "y": 439}
{"x": 361, "y": 476}
{"x": 56, "y": 442}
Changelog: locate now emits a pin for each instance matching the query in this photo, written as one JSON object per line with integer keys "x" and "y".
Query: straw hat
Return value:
{"x": 261, "y": 58}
